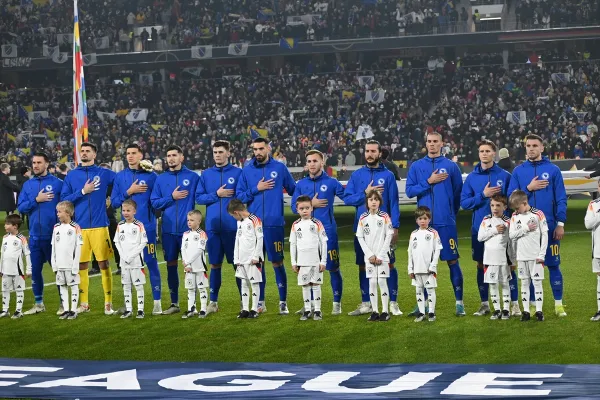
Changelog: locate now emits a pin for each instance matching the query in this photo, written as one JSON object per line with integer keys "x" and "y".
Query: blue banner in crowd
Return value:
{"x": 145, "y": 380}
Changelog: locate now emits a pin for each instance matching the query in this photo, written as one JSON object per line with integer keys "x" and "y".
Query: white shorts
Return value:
{"x": 67, "y": 278}
{"x": 596, "y": 265}
{"x": 428, "y": 281}
{"x": 249, "y": 272}
{"x": 377, "y": 271}
{"x": 497, "y": 274}
{"x": 13, "y": 282}
{"x": 308, "y": 275}
{"x": 196, "y": 280}
{"x": 530, "y": 270}
{"x": 133, "y": 276}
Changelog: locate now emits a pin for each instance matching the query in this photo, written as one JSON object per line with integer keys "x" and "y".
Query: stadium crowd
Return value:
{"x": 184, "y": 23}
{"x": 465, "y": 100}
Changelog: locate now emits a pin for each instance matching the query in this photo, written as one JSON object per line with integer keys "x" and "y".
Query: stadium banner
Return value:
{"x": 60, "y": 57}
{"x": 36, "y": 115}
{"x": 201, "y": 52}
{"x": 90, "y": 59}
{"x": 103, "y": 116}
{"x": 65, "y": 379}
{"x": 516, "y": 117}
{"x": 146, "y": 79}
{"x": 102, "y": 42}
{"x": 137, "y": 115}
{"x": 237, "y": 49}
{"x": 9, "y": 51}
{"x": 49, "y": 51}
{"x": 375, "y": 96}
{"x": 64, "y": 38}
{"x": 366, "y": 80}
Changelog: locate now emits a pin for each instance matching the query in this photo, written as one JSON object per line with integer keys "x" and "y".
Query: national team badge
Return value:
{"x": 323, "y": 188}
{"x": 231, "y": 180}
{"x": 545, "y": 175}
{"x": 185, "y": 182}
{"x": 273, "y": 174}
{"x": 380, "y": 181}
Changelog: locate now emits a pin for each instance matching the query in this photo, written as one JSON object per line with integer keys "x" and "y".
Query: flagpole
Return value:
{"x": 80, "y": 122}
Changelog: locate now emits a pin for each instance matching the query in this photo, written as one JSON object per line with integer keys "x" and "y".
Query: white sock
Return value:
{"x": 139, "y": 290}
{"x": 539, "y": 295}
{"x": 245, "y": 295}
{"x": 385, "y": 295}
{"x": 74, "y": 297}
{"x": 316, "y": 290}
{"x": 485, "y": 303}
{"x": 203, "y": 299}
{"x": 157, "y": 302}
{"x": 5, "y": 300}
{"x": 20, "y": 298}
{"x": 255, "y": 296}
{"x": 525, "y": 294}
{"x": 191, "y": 299}
{"x": 127, "y": 295}
{"x": 494, "y": 296}
{"x": 432, "y": 299}
{"x": 506, "y": 296}
{"x": 64, "y": 297}
{"x": 558, "y": 302}
{"x": 373, "y": 294}
{"x": 306, "y": 297}
{"x": 598, "y": 292}
{"x": 420, "y": 300}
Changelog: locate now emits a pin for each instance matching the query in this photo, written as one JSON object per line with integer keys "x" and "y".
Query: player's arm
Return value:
{"x": 411, "y": 265}
{"x": 288, "y": 181}
{"x": 469, "y": 199}
{"x": 53, "y": 256}
{"x": 118, "y": 195}
{"x": 295, "y": 196}
{"x": 560, "y": 197}
{"x": 322, "y": 243}
{"x": 387, "y": 239}
{"x": 457, "y": 185}
{"x": 361, "y": 240}
{"x": 258, "y": 231}
{"x": 69, "y": 193}
{"x": 142, "y": 241}
{"x": 77, "y": 255}
{"x": 511, "y": 249}
{"x": 118, "y": 245}
{"x": 414, "y": 188}
{"x": 592, "y": 217}
{"x": 353, "y": 196}
{"x": 236, "y": 260}
{"x": 202, "y": 195}
{"x": 437, "y": 248}
{"x": 485, "y": 233}
{"x": 340, "y": 192}
{"x": 160, "y": 201}
{"x": 516, "y": 185}
{"x": 391, "y": 190}
{"x": 513, "y": 232}
{"x": 198, "y": 251}
{"x": 293, "y": 250}
{"x": 27, "y": 254}
{"x": 243, "y": 191}
{"x": 25, "y": 204}
{"x": 543, "y": 227}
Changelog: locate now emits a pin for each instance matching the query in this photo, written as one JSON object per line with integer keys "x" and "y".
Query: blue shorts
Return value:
{"x": 150, "y": 249}
{"x": 360, "y": 256}
{"x": 449, "y": 238}
{"x": 219, "y": 245}
{"x": 477, "y": 248}
{"x": 333, "y": 251}
{"x": 41, "y": 251}
{"x": 273, "y": 242}
{"x": 171, "y": 246}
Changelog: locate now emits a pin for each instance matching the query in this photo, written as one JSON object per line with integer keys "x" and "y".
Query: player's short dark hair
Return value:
{"x": 303, "y": 199}
{"x": 500, "y": 198}
{"x": 43, "y": 155}
{"x": 90, "y": 145}
{"x": 222, "y": 143}
{"x": 532, "y": 136}
{"x": 486, "y": 142}
{"x": 235, "y": 205}
{"x": 315, "y": 152}
{"x": 517, "y": 198}
{"x": 174, "y": 147}
{"x": 14, "y": 219}
{"x": 261, "y": 140}
{"x": 131, "y": 203}
{"x": 373, "y": 193}
{"x": 134, "y": 146}
{"x": 105, "y": 165}
{"x": 63, "y": 167}
{"x": 24, "y": 170}
{"x": 375, "y": 142}
{"x": 422, "y": 211}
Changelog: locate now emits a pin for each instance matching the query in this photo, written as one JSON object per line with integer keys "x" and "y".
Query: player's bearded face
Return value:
{"x": 260, "y": 152}
{"x": 174, "y": 159}
{"x": 87, "y": 154}
{"x": 38, "y": 165}
{"x": 372, "y": 155}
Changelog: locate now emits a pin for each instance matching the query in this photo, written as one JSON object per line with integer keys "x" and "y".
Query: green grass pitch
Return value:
{"x": 340, "y": 339}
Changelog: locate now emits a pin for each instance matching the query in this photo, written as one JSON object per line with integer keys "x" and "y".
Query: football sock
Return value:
{"x": 494, "y": 295}
{"x": 84, "y": 286}
{"x": 20, "y": 298}
{"x": 456, "y": 277}
{"x": 107, "y": 284}
{"x": 336, "y": 285}
{"x": 598, "y": 292}
{"x": 127, "y": 295}
{"x": 238, "y": 283}
{"x": 483, "y": 287}
{"x": 203, "y": 299}
{"x": 139, "y": 290}
{"x": 420, "y": 300}
{"x": 392, "y": 283}
{"x": 191, "y": 299}
{"x": 37, "y": 280}
{"x": 364, "y": 285}
{"x": 215, "y": 283}
{"x": 246, "y": 294}
{"x": 316, "y": 291}
{"x": 64, "y": 297}
{"x": 506, "y": 293}
{"x": 556, "y": 283}
{"x": 385, "y": 294}
{"x": 281, "y": 279}
{"x": 262, "y": 284}
{"x": 514, "y": 287}
{"x": 154, "y": 273}
{"x": 539, "y": 295}
{"x": 255, "y": 296}
{"x": 74, "y": 297}
{"x": 173, "y": 282}
{"x": 432, "y": 300}
{"x": 373, "y": 294}
{"x": 525, "y": 293}
{"x": 306, "y": 292}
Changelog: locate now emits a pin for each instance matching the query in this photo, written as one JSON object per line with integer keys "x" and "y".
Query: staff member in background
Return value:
{"x": 7, "y": 190}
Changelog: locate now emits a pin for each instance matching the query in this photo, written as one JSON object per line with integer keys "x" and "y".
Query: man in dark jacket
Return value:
{"x": 394, "y": 169}
{"x": 62, "y": 171}
{"x": 7, "y": 190}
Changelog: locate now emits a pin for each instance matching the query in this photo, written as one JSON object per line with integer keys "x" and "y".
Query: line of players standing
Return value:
{"x": 434, "y": 180}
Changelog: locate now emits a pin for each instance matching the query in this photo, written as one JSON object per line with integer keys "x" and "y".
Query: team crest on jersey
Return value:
{"x": 323, "y": 188}
{"x": 231, "y": 180}
{"x": 15, "y": 243}
{"x": 48, "y": 188}
{"x": 305, "y": 278}
{"x": 96, "y": 179}
{"x": 70, "y": 232}
{"x": 313, "y": 229}
{"x": 196, "y": 238}
{"x": 443, "y": 171}
{"x": 380, "y": 181}
{"x": 531, "y": 220}
{"x": 185, "y": 182}
{"x": 379, "y": 224}
{"x": 370, "y": 270}
{"x": 545, "y": 175}
{"x": 428, "y": 237}
{"x": 249, "y": 227}
{"x": 142, "y": 183}
{"x": 273, "y": 174}
{"x": 499, "y": 183}
{"x": 134, "y": 231}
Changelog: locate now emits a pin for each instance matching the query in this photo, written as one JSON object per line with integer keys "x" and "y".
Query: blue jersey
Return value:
{"x": 267, "y": 204}
{"x": 42, "y": 216}
{"x": 327, "y": 188}
{"x": 123, "y": 181}
{"x": 90, "y": 209}
{"x": 552, "y": 200}
{"x": 443, "y": 199}
{"x": 354, "y": 194}
{"x": 174, "y": 218}
{"x": 217, "y": 218}
{"x": 472, "y": 197}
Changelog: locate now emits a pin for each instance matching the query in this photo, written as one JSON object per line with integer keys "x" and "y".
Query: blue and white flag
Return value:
{"x": 137, "y": 115}
{"x": 201, "y": 52}
{"x": 9, "y": 50}
{"x": 375, "y": 96}
{"x": 366, "y": 80}
{"x": 237, "y": 49}
{"x": 364, "y": 132}
{"x": 516, "y": 117}
{"x": 561, "y": 77}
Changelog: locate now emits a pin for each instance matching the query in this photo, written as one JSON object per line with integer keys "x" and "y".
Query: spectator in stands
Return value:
{"x": 9, "y": 189}
{"x": 63, "y": 170}
{"x": 117, "y": 165}
{"x": 505, "y": 162}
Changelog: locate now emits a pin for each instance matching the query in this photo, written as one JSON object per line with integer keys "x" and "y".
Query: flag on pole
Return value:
{"x": 80, "y": 118}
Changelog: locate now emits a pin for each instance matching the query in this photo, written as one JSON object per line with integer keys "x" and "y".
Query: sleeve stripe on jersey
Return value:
{"x": 364, "y": 215}
{"x": 255, "y": 220}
